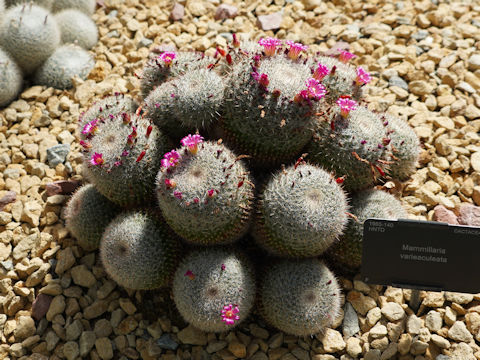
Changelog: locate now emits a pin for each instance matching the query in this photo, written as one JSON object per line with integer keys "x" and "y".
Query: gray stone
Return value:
{"x": 398, "y": 81}
{"x": 225, "y": 11}
{"x": 420, "y": 35}
{"x": 350, "y": 321}
{"x": 74, "y": 330}
{"x": 7, "y": 264}
{"x": 166, "y": 342}
{"x": 144, "y": 42}
{"x": 57, "y": 154}
{"x": 87, "y": 341}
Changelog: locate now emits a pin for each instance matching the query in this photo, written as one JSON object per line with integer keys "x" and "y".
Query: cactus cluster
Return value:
{"x": 277, "y": 156}
{"x": 37, "y": 37}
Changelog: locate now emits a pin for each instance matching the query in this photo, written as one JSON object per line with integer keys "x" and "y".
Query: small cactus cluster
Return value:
{"x": 258, "y": 163}
{"x": 46, "y": 41}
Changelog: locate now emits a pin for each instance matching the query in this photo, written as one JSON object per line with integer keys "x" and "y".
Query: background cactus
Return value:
{"x": 86, "y": 6}
{"x": 366, "y": 204}
{"x": 87, "y": 215}
{"x": 47, "y": 4}
{"x": 65, "y": 63}
{"x": 301, "y": 212}
{"x": 207, "y": 197}
{"x": 354, "y": 147}
{"x": 121, "y": 151}
{"x": 209, "y": 279}
{"x": 405, "y": 148}
{"x": 299, "y": 297}
{"x": 77, "y": 27}
{"x": 139, "y": 251}
{"x": 30, "y": 34}
{"x": 10, "y": 79}
{"x": 189, "y": 102}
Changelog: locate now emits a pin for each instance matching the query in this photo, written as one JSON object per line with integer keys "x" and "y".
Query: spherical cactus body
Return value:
{"x": 77, "y": 27}
{"x": 299, "y": 297}
{"x": 405, "y": 148}
{"x": 366, "y": 204}
{"x": 214, "y": 288}
{"x": 169, "y": 65}
{"x": 117, "y": 151}
{"x": 65, "y": 63}
{"x": 206, "y": 197}
{"x": 47, "y": 4}
{"x": 269, "y": 108}
{"x": 139, "y": 251}
{"x": 88, "y": 213}
{"x": 10, "y": 79}
{"x": 189, "y": 102}
{"x": 301, "y": 212}
{"x": 105, "y": 109}
{"x": 30, "y": 34}
{"x": 86, "y": 6}
{"x": 352, "y": 146}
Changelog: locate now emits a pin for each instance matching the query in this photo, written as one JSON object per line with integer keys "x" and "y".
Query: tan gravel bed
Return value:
{"x": 425, "y": 60}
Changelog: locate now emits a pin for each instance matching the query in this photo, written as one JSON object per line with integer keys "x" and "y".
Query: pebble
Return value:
{"x": 226, "y": 11}
{"x": 86, "y": 342}
{"x": 178, "y": 12}
{"x": 350, "y": 321}
{"x": 82, "y": 276}
{"x": 166, "y": 342}
{"x": 270, "y": 22}
{"x": 104, "y": 348}
{"x": 459, "y": 332}
{"x": 70, "y": 350}
{"x": 193, "y": 336}
{"x": 393, "y": 311}
{"x": 57, "y": 154}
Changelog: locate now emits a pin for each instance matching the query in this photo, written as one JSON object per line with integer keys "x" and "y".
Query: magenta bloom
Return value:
{"x": 345, "y": 56}
{"x": 315, "y": 89}
{"x": 170, "y": 159}
{"x": 177, "y": 194}
{"x": 269, "y": 45}
{"x": 229, "y": 314}
{"x": 363, "y": 77}
{"x": 301, "y": 96}
{"x": 168, "y": 57}
{"x": 97, "y": 159}
{"x": 85, "y": 144}
{"x": 321, "y": 71}
{"x": 90, "y": 128}
{"x": 295, "y": 49}
{"x": 170, "y": 184}
{"x": 262, "y": 79}
{"x": 210, "y": 192}
{"x": 192, "y": 141}
{"x": 346, "y": 105}
{"x": 190, "y": 274}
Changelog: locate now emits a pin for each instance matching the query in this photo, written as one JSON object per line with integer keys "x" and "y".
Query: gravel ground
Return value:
{"x": 56, "y": 301}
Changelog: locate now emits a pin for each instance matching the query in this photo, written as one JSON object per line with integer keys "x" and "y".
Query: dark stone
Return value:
{"x": 62, "y": 187}
{"x": 40, "y": 306}
{"x": 57, "y": 154}
{"x": 8, "y": 198}
{"x": 166, "y": 342}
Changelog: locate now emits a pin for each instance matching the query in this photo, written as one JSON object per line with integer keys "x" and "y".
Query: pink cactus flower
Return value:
{"x": 262, "y": 79}
{"x": 363, "y": 77}
{"x": 97, "y": 159}
{"x": 269, "y": 45}
{"x": 211, "y": 192}
{"x": 190, "y": 274}
{"x": 170, "y": 159}
{"x": 229, "y": 314}
{"x": 170, "y": 184}
{"x": 321, "y": 71}
{"x": 315, "y": 89}
{"x": 301, "y": 97}
{"x": 90, "y": 128}
{"x": 85, "y": 145}
{"x": 168, "y": 57}
{"x": 295, "y": 49}
{"x": 192, "y": 141}
{"x": 346, "y": 56}
{"x": 346, "y": 105}
{"x": 177, "y": 194}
